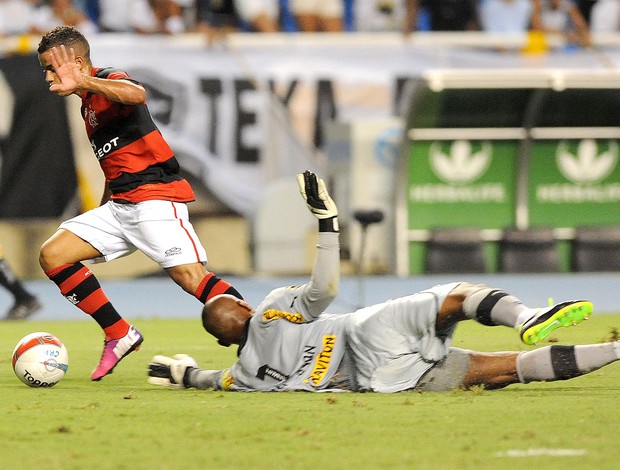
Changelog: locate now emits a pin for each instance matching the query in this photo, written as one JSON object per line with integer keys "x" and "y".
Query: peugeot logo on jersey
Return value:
{"x": 105, "y": 148}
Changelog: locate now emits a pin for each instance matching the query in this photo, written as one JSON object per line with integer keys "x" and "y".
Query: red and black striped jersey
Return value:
{"x": 136, "y": 160}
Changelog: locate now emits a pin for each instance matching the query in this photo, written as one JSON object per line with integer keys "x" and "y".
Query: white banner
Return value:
{"x": 244, "y": 114}
{"x": 226, "y": 128}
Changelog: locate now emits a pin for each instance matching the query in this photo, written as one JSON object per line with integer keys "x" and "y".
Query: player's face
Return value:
{"x": 46, "y": 64}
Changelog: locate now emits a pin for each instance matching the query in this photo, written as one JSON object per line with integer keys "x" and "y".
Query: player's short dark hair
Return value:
{"x": 64, "y": 36}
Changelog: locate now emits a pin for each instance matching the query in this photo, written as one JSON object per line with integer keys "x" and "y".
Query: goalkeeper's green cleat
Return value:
{"x": 569, "y": 313}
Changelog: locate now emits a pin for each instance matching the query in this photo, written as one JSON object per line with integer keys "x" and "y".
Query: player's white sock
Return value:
{"x": 493, "y": 306}
{"x": 524, "y": 316}
{"x": 551, "y": 363}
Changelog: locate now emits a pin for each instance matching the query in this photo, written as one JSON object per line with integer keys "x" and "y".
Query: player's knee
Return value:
{"x": 465, "y": 289}
{"x": 453, "y": 305}
{"x": 48, "y": 255}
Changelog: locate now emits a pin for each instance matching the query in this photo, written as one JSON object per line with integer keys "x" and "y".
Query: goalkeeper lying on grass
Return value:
{"x": 289, "y": 343}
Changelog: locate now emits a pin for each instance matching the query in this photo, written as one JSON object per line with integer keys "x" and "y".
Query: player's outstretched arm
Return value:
{"x": 325, "y": 280}
{"x": 121, "y": 91}
{"x": 318, "y": 200}
{"x": 75, "y": 80}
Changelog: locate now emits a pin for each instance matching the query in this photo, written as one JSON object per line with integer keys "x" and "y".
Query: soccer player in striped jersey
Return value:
{"x": 144, "y": 206}
{"x": 289, "y": 343}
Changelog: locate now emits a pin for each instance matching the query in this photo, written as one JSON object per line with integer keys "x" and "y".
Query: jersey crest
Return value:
{"x": 91, "y": 116}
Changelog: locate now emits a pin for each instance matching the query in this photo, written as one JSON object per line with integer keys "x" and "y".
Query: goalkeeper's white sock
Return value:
{"x": 551, "y": 363}
{"x": 493, "y": 307}
{"x": 524, "y": 316}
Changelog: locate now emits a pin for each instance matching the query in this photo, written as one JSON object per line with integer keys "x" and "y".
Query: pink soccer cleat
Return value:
{"x": 116, "y": 349}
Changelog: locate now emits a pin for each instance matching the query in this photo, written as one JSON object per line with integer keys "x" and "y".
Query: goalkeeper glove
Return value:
{"x": 318, "y": 200}
{"x": 171, "y": 371}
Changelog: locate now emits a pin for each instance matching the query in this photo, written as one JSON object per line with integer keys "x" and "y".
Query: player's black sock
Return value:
{"x": 211, "y": 286}
{"x": 9, "y": 280}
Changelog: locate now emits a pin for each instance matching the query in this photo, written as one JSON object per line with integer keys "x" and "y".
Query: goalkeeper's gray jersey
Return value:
{"x": 280, "y": 354}
{"x": 289, "y": 346}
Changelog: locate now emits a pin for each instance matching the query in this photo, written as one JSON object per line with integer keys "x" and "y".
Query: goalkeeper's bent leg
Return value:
{"x": 490, "y": 306}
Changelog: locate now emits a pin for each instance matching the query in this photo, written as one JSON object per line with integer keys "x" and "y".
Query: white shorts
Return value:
{"x": 248, "y": 10}
{"x": 322, "y": 8}
{"x": 160, "y": 229}
{"x": 395, "y": 343}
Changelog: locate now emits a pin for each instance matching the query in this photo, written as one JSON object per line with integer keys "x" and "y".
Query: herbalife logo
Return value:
{"x": 459, "y": 166}
{"x": 462, "y": 165}
{"x": 587, "y": 166}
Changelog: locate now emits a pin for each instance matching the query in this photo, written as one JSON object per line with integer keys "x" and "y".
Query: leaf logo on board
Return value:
{"x": 462, "y": 165}
{"x": 588, "y": 166}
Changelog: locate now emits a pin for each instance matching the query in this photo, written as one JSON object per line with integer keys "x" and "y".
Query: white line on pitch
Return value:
{"x": 541, "y": 452}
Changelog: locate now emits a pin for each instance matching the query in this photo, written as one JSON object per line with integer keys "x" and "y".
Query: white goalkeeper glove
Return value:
{"x": 171, "y": 371}
{"x": 314, "y": 192}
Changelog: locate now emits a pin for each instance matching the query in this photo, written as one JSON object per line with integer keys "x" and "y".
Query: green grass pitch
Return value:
{"x": 123, "y": 422}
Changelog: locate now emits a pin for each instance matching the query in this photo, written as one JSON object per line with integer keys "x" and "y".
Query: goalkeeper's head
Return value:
{"x": 225, "y": 317}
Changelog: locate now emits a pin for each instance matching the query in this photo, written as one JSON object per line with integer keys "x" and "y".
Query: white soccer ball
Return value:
{"x": 40, "y": 360}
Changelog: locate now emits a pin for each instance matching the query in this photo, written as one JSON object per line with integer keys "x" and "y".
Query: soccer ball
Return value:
{"x": 40, "y": 360}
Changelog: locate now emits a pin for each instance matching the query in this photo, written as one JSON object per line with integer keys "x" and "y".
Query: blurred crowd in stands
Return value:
{"x": 573, "y": 18}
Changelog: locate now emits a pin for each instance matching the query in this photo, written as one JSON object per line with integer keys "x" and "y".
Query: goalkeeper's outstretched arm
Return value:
{"x": 204, "y": 379}
{"x": 325, "y": 280}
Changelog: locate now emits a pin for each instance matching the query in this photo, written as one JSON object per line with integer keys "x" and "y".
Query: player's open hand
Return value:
{"x": 314, "y": 191}
{"x": 67, "y": 70}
